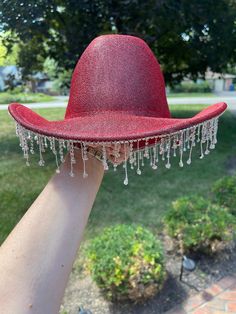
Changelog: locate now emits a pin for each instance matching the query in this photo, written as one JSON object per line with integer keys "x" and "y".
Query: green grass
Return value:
{"x": 144, "y": 200}
{"x": 7, "y": 97}
{"x": 189, "y": 95}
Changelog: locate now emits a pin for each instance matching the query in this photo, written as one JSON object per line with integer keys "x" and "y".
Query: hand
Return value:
{"x": 116, "y": 154}
{"x": 90, "y": 167}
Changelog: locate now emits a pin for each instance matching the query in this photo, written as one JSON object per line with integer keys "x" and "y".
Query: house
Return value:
{"x": 39, "y": 82}
{"x": 220, "y": 82}
{"x": 7, "y": 72}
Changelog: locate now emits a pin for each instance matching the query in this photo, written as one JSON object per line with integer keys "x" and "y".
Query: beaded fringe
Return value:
{"x": 163, "y": 148}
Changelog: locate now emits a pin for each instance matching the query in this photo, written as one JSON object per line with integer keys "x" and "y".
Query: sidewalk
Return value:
{"x": 62, "y": 102}
{"x": 220, "y": 298}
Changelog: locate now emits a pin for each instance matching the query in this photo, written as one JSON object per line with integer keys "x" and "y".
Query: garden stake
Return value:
{"x": 188, "y": 265}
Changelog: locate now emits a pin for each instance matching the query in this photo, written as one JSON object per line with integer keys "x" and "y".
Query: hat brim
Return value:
{"x": 109, "y": 126}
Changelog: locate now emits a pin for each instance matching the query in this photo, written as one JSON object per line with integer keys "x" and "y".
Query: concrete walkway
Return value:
{"x": 37, "y": 105}
{"x": 220, "y": 298}
{"x": 62, "y": 102}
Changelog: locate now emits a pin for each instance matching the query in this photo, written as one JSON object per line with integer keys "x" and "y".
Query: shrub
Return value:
{"x": 197, "y": 224}
{"x": 225, "y": 193}
{"x": 191, "y": 87}
{"x": 127, "y": 262}
{"x": 7, "y": 97}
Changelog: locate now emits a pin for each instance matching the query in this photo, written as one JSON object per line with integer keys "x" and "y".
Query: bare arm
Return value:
{"x": 37, "y": 257}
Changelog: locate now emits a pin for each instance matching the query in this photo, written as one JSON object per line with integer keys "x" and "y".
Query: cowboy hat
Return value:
{"x": 117, "y": 99}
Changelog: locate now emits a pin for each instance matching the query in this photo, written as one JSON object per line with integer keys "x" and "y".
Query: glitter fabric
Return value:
{"x": 117, "y": 95}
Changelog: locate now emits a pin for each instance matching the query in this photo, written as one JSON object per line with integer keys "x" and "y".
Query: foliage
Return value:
{"x": 127, "y": 262}
{"x": 10, "y": 82}
{"x": 8, "y": 57}
{"x": 187, "y": 35}
{"x": 61, "y": 78}
{"x": 225, "y": 192}
{"x": 188, "y": 95}
{"x": 197, "y": 224}
{"x": 186, "y": 87}
{"x": 62, "y": 83}
{"x": 30, "y": 59}
{"x": 16, "y": 96}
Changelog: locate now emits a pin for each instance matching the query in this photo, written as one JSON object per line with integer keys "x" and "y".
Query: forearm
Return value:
{"x": 37, "y": 257}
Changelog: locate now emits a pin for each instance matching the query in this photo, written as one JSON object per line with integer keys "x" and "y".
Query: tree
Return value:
{"x": 6, "y": 57}
{"x": 187, "y": 36}
{"x": 61, "y": 78}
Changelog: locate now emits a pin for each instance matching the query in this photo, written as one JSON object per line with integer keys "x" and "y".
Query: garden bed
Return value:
{"x": 82, "y": 290}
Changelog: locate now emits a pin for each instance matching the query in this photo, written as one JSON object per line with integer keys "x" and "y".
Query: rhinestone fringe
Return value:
{"x": 163, "y": 147}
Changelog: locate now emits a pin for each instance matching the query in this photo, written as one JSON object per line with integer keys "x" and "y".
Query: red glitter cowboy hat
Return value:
{"x": 117, "y": 97}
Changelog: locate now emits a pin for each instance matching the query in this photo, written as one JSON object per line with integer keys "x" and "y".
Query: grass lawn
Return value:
{"x": 7, "y": 97}
{"x": 172, "y": 95}
{"x": 144, "y": 200}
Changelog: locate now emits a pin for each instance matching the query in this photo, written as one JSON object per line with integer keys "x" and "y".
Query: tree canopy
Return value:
{"x": 187, "y": 36}
{"x": 8, "y": 58}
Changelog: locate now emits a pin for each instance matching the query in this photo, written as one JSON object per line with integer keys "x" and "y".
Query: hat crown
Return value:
{"x": 117, "y": 73}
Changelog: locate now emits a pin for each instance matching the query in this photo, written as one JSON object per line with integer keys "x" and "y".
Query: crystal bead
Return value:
{"x": 105, "y": 166}
{"x": 189, "y": 161}
{"x": 41, "y": 163}
{"x": 126, "y": 181}
{"x": 168, "y": 165}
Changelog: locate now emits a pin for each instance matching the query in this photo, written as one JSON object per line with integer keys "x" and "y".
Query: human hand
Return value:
{"x": 115, "y": 153}
{"x": 75, "y": 164}
{"x": 93, "y": 160}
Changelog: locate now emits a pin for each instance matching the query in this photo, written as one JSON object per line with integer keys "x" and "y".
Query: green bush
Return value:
{"x": 191, "y": 87}
{"x": 14, "y": 96}
{"x": 197, "y": 224}
{"x": 225, "y": 193}
{"x": 17, "y": 90}
{"x": 127, "y": 262}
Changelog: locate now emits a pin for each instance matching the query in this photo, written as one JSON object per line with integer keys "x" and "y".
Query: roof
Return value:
{"x": 209, "y": 75}
{"x": 9, "y": 70}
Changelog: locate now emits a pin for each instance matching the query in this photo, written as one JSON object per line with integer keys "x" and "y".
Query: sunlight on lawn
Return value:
{"x": 143, "y": 201}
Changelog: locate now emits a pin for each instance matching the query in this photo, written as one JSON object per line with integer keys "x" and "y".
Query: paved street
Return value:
{"x": 230, "y": 100}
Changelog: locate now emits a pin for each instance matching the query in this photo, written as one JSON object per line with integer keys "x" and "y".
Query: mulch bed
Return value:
{"x": 83, "y": 291}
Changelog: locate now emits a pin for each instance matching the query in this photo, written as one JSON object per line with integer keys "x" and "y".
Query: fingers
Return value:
{"x": 116, "y": 153}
